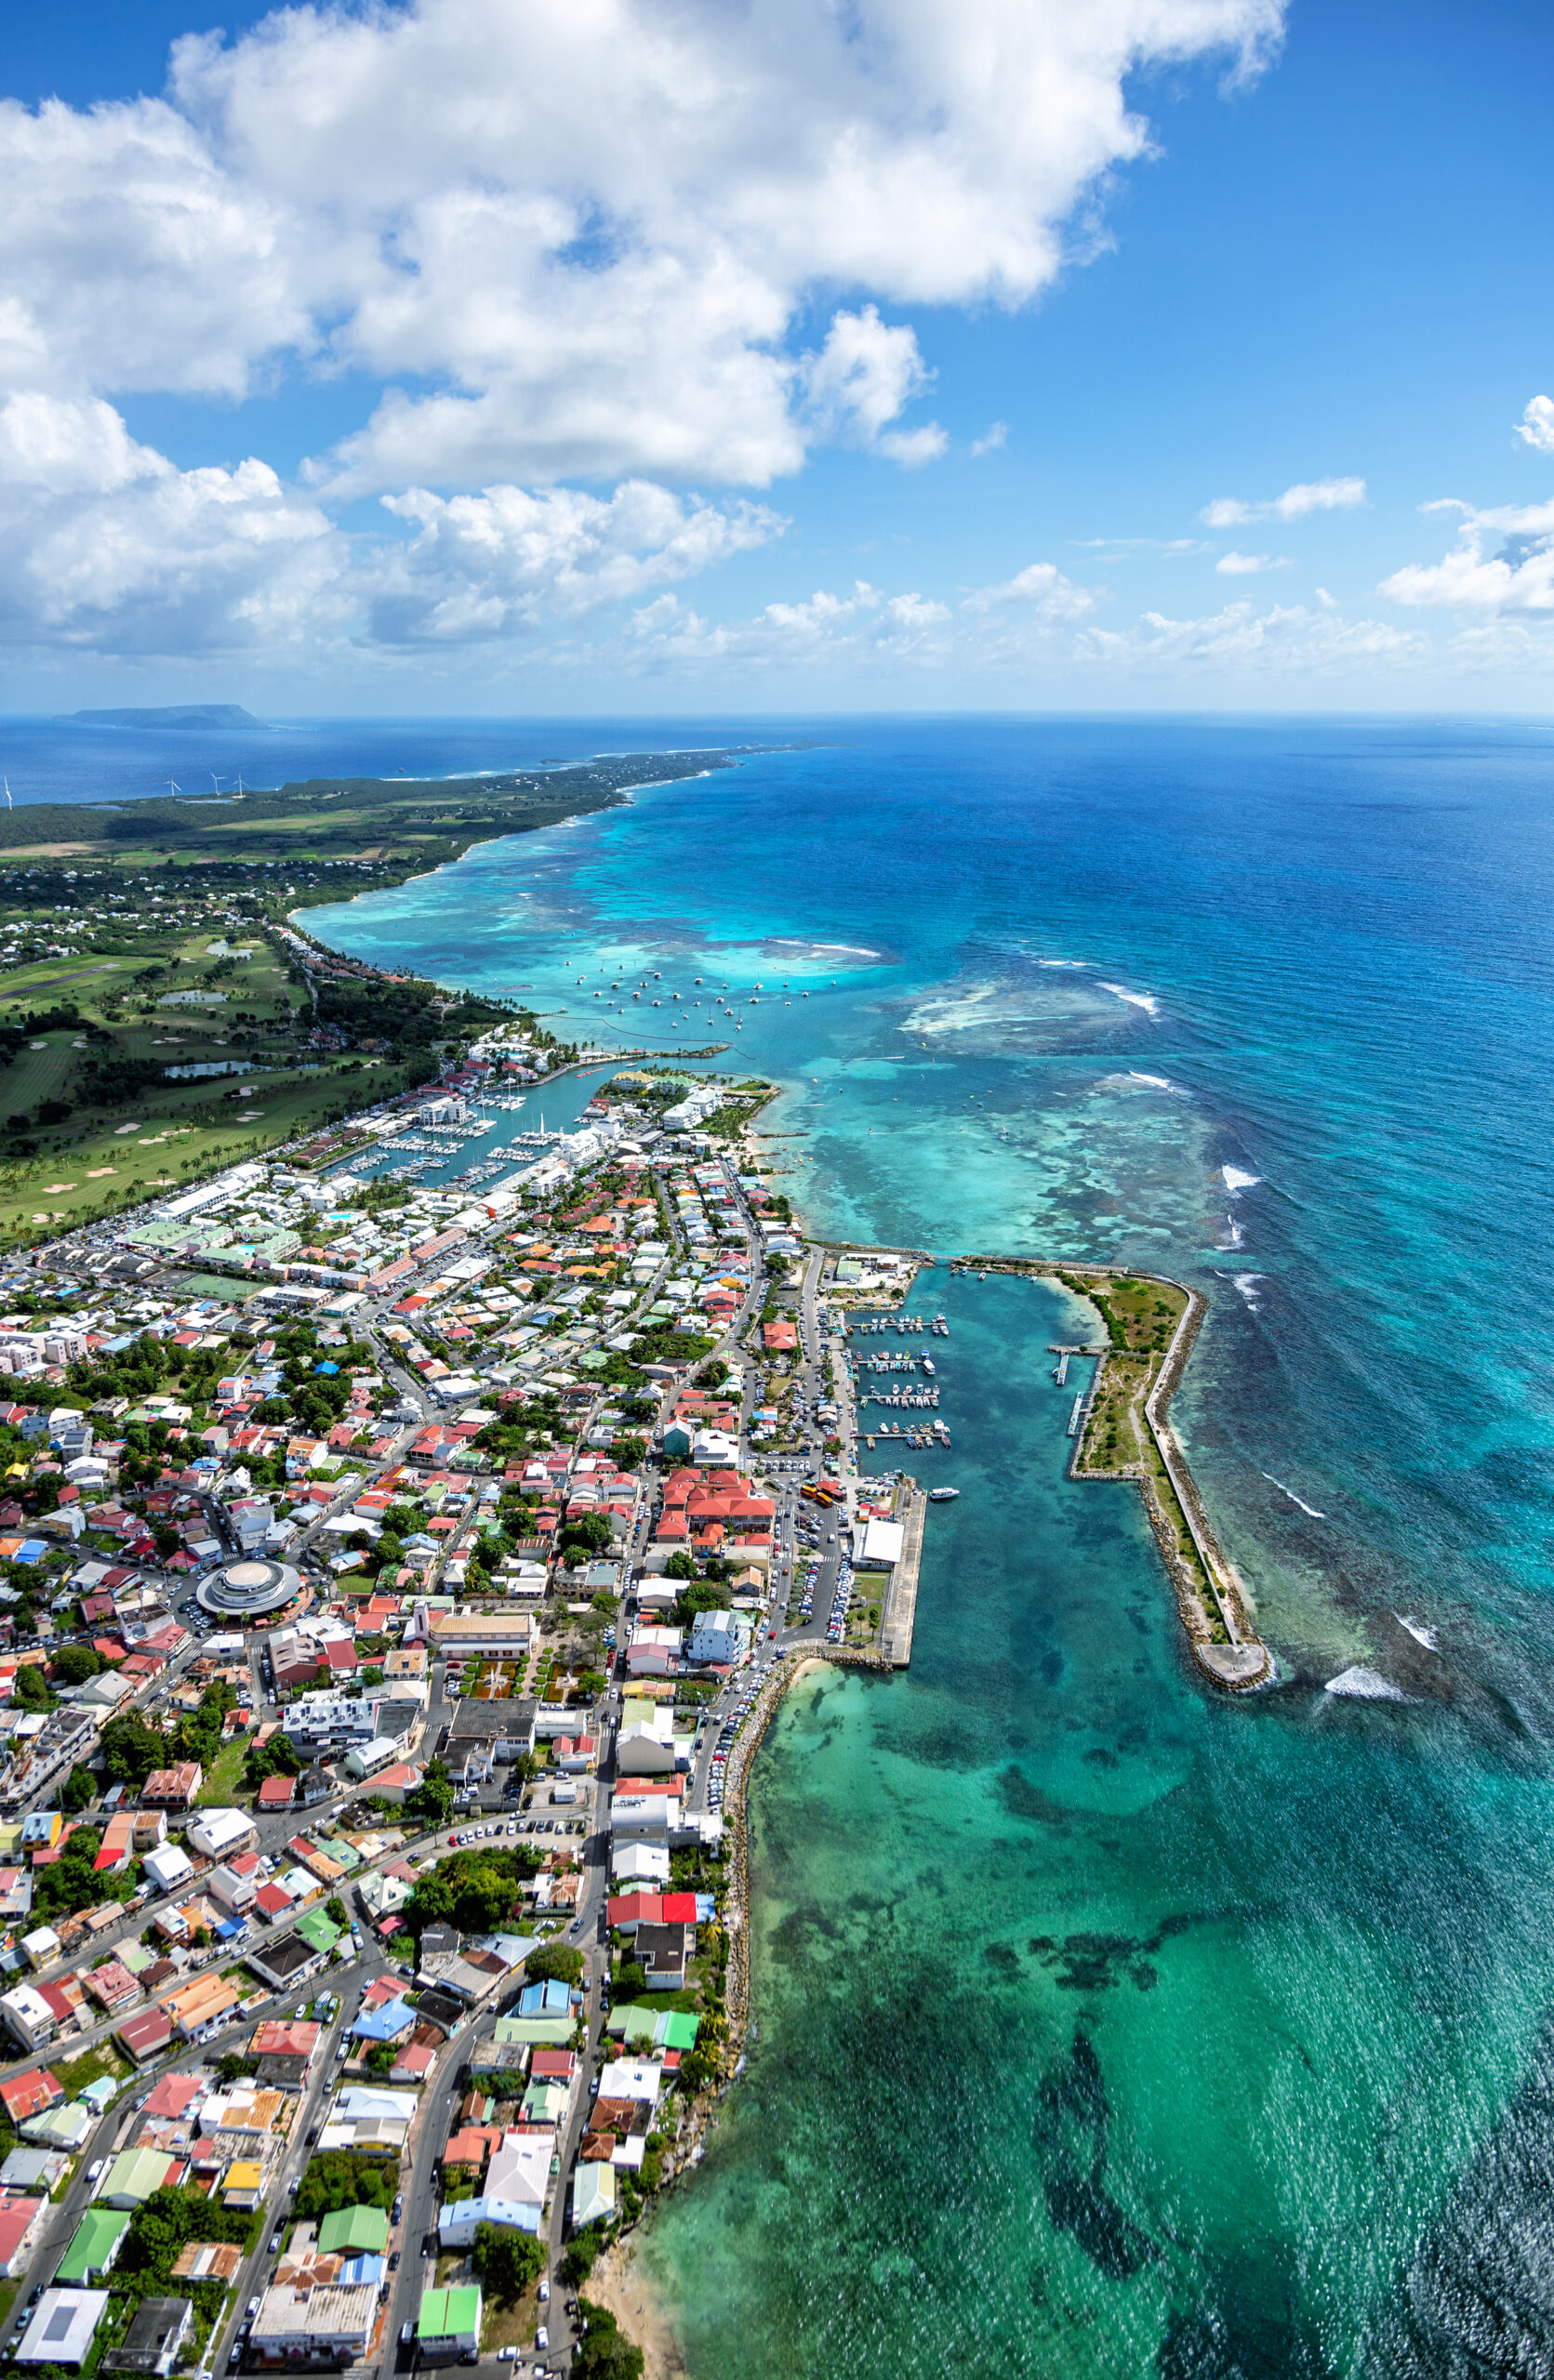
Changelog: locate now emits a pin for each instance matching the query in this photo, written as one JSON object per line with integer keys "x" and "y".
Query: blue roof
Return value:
{"x": 384, "y": 2024}
{"x": 358, "y": 2271}
{"x": 550, "y": 1999}
{"x": 326, "y": 1367}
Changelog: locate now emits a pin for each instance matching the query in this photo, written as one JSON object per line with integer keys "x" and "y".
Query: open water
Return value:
{"x": 1105, "y": 2026}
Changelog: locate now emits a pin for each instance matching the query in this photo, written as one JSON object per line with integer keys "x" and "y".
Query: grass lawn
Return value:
{"x": 219, "y": 1790}
{"x": 8, "y": 2293}
{"x": 509, "y": 2325}
{"x": 74, "y": 2073}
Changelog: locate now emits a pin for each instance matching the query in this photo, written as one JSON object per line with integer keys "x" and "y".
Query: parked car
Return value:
{"x": 393, "y": 2261}
{"x": 543, "y": 2292}
{"x": 507, "y": 2355}
{"x": 253, "y": 2307}
{"x": 406, "y": 2333}
{"x": 95, "y": 2171}
{"x": 542, "y": 2338}
{"x": 275, "y": 2245}
{"x": 399, "y": 2209}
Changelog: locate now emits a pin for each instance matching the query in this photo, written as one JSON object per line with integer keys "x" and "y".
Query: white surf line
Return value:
{"x": 1146, "y": 1000}
{"x": 1421, "y": 1636}
{"x": 1295, "y": 1499}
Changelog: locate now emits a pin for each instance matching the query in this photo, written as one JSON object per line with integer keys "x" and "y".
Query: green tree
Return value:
{"x": 431, "y": 1802}
{"x": 680, "y": 1565}
{"x": 590, "y": 1534}
{"x": 553, "y": 1962}
{"x": 130, "y": 1749}
{"x": 277, "y": 1758}
{"x": 506, "y": 2262}
{"x": 581, "y": 2257}
{"x": 31, "y": 1689}
{"x": 338, "y": 2179}
{"x": 74, "y": 1664}
{"x": 78, "y": 1792}
{"x": 605, "y": 2352}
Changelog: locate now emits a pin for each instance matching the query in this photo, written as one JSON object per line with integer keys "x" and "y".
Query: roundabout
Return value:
{"x": 251, "y": 1589}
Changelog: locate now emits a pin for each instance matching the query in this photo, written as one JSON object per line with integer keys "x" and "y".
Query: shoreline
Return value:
{"x": 618, "y": 2283}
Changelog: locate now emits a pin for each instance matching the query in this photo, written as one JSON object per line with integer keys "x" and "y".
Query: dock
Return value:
{"x": 1073, "y": 1418}
{"x": 910, "y": 1507}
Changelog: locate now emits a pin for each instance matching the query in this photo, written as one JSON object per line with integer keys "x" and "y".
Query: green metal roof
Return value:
{"x": 449, "y": 2314}
{"x": 354, "y": 2230}
{"x": 317, "y": 1931}
{"x": 94, "y": 2247}
{"x": 135, "y": 2173}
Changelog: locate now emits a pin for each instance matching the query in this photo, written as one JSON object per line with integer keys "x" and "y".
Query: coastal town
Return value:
{"x": 402, "y": 1543}
{"x": 410, "y": 1531}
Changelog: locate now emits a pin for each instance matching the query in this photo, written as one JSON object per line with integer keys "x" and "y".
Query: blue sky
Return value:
{"x": 1014, "y": 353}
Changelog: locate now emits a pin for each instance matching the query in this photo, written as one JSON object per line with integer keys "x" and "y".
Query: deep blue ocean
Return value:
{"x": 1105, "y": 2026}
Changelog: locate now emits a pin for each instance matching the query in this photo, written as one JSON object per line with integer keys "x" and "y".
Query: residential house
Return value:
{"x": 155, "y": 2334}
{"x": 663, "y": 1951}
{"x": 62, "y": 2328}
{"x": 173, "y": 1789}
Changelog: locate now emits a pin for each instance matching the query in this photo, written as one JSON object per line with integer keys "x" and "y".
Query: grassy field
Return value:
{"x": 509, "y": 2325}
{"x": 74, "y": 2073}
{"x": 96, "y": 1159}
{"x": 219, "y": 1790}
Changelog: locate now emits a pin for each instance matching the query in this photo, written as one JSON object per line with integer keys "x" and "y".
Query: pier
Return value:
{"x": 911, "y": 1506}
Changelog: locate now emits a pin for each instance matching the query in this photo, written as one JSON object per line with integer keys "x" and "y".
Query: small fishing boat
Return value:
{"x": 942, "y": 1495}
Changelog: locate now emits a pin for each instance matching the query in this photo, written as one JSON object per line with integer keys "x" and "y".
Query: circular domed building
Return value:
{"x": 249, "y": 1589}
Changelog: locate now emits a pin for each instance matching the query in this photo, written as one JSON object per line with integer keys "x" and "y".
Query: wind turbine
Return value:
{"x": 173, "y": 785}
{"x": 217, "y": 783}
{"x": 8, "y": 793}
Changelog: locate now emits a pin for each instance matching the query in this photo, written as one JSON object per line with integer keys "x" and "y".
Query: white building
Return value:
{"x": 220, "y": 1832}
{"x": 169, "y": 1866}
{"x": 720, "y": 1638}
{"x": 27, "y": 2015}
{"x": 62, "y": 2328}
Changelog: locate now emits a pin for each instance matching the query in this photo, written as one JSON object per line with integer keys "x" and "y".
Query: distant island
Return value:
{"x": 173, "y": 715}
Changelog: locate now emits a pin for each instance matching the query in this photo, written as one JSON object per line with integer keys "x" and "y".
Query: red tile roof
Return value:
{"x": 31, "y": 2093}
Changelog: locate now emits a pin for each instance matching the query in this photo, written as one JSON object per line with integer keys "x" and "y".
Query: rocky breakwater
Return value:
{"x": 1151, "y": 1323}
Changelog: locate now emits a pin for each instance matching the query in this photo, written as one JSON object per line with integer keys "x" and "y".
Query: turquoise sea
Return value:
{"x": 1103, "y": 2026}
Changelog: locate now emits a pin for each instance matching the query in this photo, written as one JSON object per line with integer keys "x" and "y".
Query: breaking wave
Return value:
{"x": 1234, "y": 1179}
{"x": 1146, "y": 1000}
{"x": 1366, "y": 1685}
{"x": 1420, "y": 1633}
{"x": 1295, "y": 1499}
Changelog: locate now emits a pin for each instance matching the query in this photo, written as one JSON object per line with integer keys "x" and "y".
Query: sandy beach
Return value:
{"x": 618, "y": 2282}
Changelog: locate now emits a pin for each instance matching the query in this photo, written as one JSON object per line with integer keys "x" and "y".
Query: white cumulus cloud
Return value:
{"x": 591, "y": 228}
{"x": 1295, "y": 503}
{"x": 104, "y": 544}
{"x": 481, "y": 565}
{"x": 1040, "y": 584}
{"x": 1237, "y": 565}
{"x": 1519, "y": 577}
{"x": 1536, "y": 425}
{"x": 601, "y": 240}
{"x": 1289, "y": 637}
